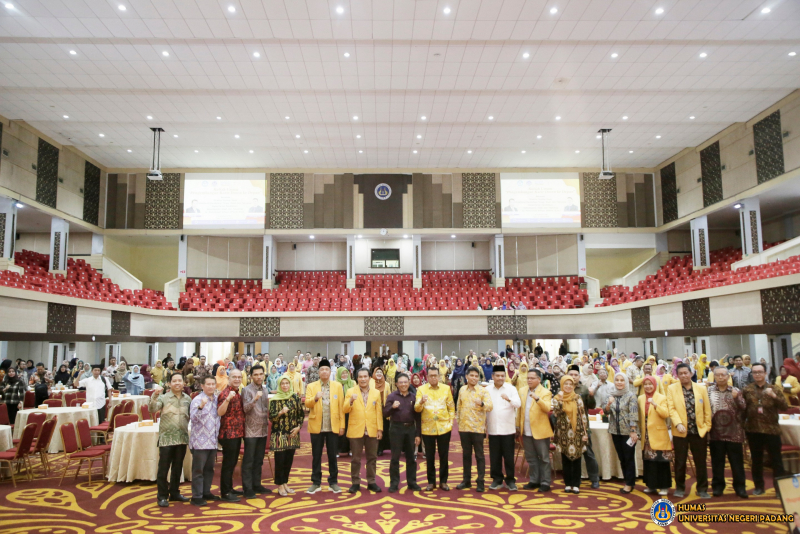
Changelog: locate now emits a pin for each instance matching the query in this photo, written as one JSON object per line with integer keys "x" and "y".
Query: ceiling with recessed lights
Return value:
{"x": 392, "y": 83}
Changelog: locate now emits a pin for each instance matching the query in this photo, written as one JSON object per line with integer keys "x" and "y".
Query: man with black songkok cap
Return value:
{"x": 326, "y": 422}
{"x": 501, "y": 427}
{"x": 592, "y": 469}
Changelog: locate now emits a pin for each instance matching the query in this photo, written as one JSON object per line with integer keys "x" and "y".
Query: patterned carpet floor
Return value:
{"x": 42, "y": 506}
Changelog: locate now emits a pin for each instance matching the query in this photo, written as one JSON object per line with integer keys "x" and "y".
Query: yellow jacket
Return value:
{"x": 539, "y": 413}
{"x": 792, "y": 381}
{"x": 337, "y": 404}
{"x": 438, "y": 413}
{"x": 370, "y": 415}
{"x": 677, "y": 408}
{"x": 656, "y": 422}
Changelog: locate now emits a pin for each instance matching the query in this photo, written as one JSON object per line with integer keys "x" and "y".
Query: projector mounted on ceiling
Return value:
{"x": 155, "y": 172}
{"x": 605, "y": 168}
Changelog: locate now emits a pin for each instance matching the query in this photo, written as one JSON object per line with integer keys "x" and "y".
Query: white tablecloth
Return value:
{"x": 790, "y": 435}
{"x": 134, "y": 454}
{"x": 604, "y": 452}
{"x": 65, "y": 415}
{"x": 138, "y": 402}
{"x": 5, "y": 438}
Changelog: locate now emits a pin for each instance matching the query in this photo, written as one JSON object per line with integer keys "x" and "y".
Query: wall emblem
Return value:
{"x": 383, "y": 191}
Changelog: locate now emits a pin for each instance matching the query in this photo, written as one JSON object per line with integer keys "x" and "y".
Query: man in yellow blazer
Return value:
{"x": 685, "y": 398}
{"x": 365, "y": 429}
{"x": 435, "y": 402}
{"x": 533, "y": 424}
{"x": 325, "y": 400}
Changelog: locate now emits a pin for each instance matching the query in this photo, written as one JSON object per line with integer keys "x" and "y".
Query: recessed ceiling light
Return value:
{"x": 311, "y": 237}
{"x": 355, "y": 117}
{"x": 765, "y": 10}
{"x": 121, "y": 7}
{"x": 523, "y": 151}
{"x": 360, "y": 236}
{"x": 297, "y": 136}
{"x": 792, "y": 54}
{"x": 419, "y": 136}
{"x": 446, "y": 11}
{"x": 236, "y": 136}
{"x": 231, "y": 9}
{"x": 405, "y": 236}
{"x": 305, "y": 151}
{"x": 196, "y": 151}
{"x": 691, "y": 118}
{"x": 72, "y": 52}
{"x": 19, "y": 205}
{"x": 615, "y": 55}
{"x": 129, "y": 150}
{"x": 624, "y": 117}
{"x": 658, "y": 137}
{"x": 598, "y": 136}
{"x": 660, "y": 11}
{"x": 453, "y": 236}
{"x": 219, "y": 118}
{"x": 491, "y": 118}
{"x": 174, "y": 135}
{"x": 553, "y": 10}
{"x": 102, "y": 135}
{"x": 703, "y": 54}
{"x": 526, "y": 55}
{"x": 9, "y": 6}
{"x": 538, "y": 137}
{"x": 577, "y": 151}
{"x": 256, "y": 54}
{"x": 149, "y": 117}
{"x": 360, "y": 151}
{"x": 165, "y": 53}
{"x": 340, "y": 10}
{"x": 469, "y": 151}
{"x": 423, "y": 118}
{"x": 66, "y": 116}
{"x": 630, "y": 151}
{"x": 286, "y": 117}
{"x": 251, "y": 151}
{"x": 358, "y": 136}
{"x": 737, "y": 206}
{"x": 415, "y": 152}
{"x": 558, "y": 117}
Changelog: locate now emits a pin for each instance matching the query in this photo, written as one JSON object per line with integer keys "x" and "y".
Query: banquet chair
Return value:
{"x": 148, "y": 392}
{"x": 81, "y": 394}
{"x": 123, "y": 419}
{"x": 42, "y": 445}
{"x": 127, "y": 406}
{"x": 54, "y": 403}
{"x": 36, "y": 418}
{"x": 595, "y": 411}
{"x": 73, "y": 452}
{"x": 69, "y": 397}
{"x": 30, "y": 400}
{"x": 57, "y": 395}
{"x": 106, "y": 427}
{"x": 21, "y": 455}
{"x": 145, "y": 412}
{"x": 75, "y": 403}
{"x": 194, "y": 394}
{"x": 85, "y": 437}
{"x": 4, "y": 416}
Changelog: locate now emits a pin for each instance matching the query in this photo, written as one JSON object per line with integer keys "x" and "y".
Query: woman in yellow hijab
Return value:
{"x": 295, "y": 378}
{"x": 391, "y": 372}
{"x": 701, "y": 366}
{"x": 222, "y": 378}
{"x": 444, "y": 372}
{"x": 520, "y": 379}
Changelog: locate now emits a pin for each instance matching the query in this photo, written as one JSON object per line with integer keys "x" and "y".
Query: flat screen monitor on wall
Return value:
{"x": 224, "y": 200}
{"x": 540, "y": 199}
{"x": 385, "y": 258}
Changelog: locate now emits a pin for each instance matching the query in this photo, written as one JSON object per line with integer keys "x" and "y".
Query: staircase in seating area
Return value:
{"x": 679, "y": 276}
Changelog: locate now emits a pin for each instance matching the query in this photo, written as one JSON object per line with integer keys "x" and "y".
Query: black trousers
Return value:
{"x": 170, "y": 457}
{"x": 402, "y": 441}
{"x": 735, "y": 453}
{"x": 101, "y": 415}
{"x": 698, "y": 446}
{"x": 572, "y": 471}
{"x": 329, "y": 440}
{"x": 383, "y": 443}
{"x": 772, "y": 443}
{"x": 501, "y": 451}
{"x": 252, "y": 463}
{"x": 344, "y": 441}
{"x": 230, "y": 457}
{"x": 627, "y": 458}
{"x": 443, "y": 442}
{"x": 283, "y": 465}
{"x": 473, "y": 442}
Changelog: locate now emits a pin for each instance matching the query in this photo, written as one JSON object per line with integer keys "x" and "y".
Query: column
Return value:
{"x": 581, "y": 256}
{"x": 183, "y": 256}
{"x": 8, "y": 223}
{"x": 416, "y": 244}
{"x": 267, "y": 276}
{"x": 59, "y": 237}
{"x": 498, "y": 262}
{"x": 701, "y": 253}
{"x": 350, "y": 261}
{"x": 750, "y": 225}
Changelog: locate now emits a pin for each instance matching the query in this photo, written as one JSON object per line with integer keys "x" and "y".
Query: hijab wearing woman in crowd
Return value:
{"x": 62, "y": 376}
{"x": 134, "y": 381}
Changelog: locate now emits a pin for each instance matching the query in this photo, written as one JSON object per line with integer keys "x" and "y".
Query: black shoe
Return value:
{"x": 354, "y": 488}
{"x": 262, "y": 490}
{"x": 163, "y": 503}
{"x": 211, "y": 497}
{"x": 199, "y": 502}
{"x": 530, "y": 486}
{"x": 179, "y": 498}
{"x": 229, "y": 498}
{"x": 464, "y": 485}
{"x": 595, "y": 485}
{"x": 758, "y": 491}
{"x": 717, "y": 493}
{"x": 250, "y": 495}
{"x": 512, "y": 486}
{"x": 393, "y": 489}
{"x": 237, "y": 492}
{"x": 743, "y": 495}
{"x": 414, "y": 487}
{"x": 374, "y": 487}
{"x": 479, "y": 487}
{"x": 544, "y": 489}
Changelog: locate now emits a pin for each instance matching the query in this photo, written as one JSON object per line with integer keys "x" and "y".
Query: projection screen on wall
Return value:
{"x": 224, "y": 200}
{"x": 531, "y": 199}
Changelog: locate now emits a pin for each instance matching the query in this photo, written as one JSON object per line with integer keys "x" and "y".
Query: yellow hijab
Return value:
{"x": 222, "y": 378}
{"x": 568, "y": 402}
{"x": 391, "y": 371}
{"x": 295, "y": 378}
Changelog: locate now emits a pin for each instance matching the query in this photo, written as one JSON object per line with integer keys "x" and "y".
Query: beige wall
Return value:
{"x": 153, "y": 264}
{"x": 311, "y": 256}
{"x": 224, "y": 257}
{"x": 455, "y": 255}
{"x": 79, "y": 243}
{"x": 609, "y": 266}
{"x": 543, "y": 255}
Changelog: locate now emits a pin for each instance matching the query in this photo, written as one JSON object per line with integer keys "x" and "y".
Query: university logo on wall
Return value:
{"x": 383, "y": 191}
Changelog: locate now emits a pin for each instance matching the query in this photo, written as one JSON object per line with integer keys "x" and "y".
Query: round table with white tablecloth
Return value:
{"x": 65, "y": 415}
{"x": 604, "y": 453}
{"x": 6, "y": 441}
{"x": 134, "y": 454}
{"x": 138, "y": 402}
{"x": 790, "y": 435}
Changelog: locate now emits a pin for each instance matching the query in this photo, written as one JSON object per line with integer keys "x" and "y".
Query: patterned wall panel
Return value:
{"x": 479, "y": 198}
{"x": 600, "y": 201}
{"x": 91, "y": 193}
{"x": 701, "y": 238}
{"x": 640, "y": 318}
{"x": 711, "y": 170}
{"x": 769, "y": 147}
{"x": 259, "y": 327}
{"x": 286, "y": 200}
{"x": 120, "y": 323}
{"x": 47, "y": 174}
{"x": 56, "y": 252}
{"x": 2, "y": 235}
{"x": 696, "y": 314}
{"x": 781, "y": 305}
{"x": 669, "y": 193}
{"x": 163, "y": 207}
{"x": 61, "y": 318}
{"x": 754, "y": 232}
{"x": 384, "y": 326}
{"x": 507, "y": 325}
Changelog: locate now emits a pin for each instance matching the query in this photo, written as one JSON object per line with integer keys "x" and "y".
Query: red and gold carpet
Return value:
{"x": 42, "y": 506}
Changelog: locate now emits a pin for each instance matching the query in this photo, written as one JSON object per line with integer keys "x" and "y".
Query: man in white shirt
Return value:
{"x": 501, "y": 427}
{"x": 96, "y": 388}
{"x": 366, "y": 361}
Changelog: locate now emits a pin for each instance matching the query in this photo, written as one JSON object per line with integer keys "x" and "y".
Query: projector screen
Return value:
{"x": 540, "y": 199}
{"x": 224, "y": 200}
